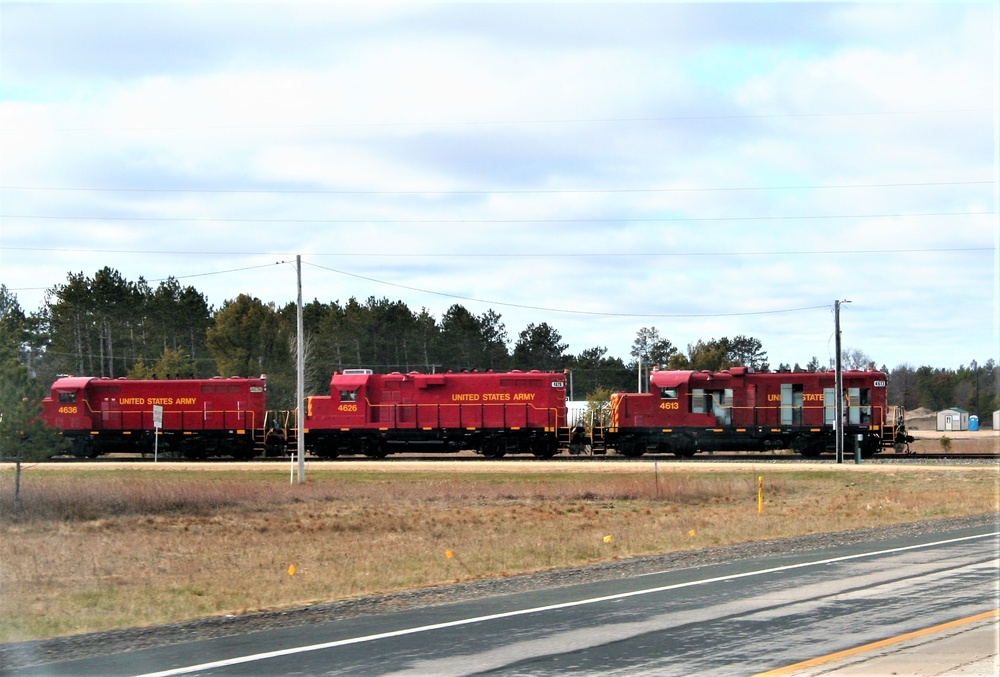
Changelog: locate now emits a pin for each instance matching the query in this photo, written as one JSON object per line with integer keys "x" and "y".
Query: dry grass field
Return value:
{"x": 115, "y": 545}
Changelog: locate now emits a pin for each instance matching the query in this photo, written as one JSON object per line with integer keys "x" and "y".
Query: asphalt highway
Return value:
{"x": 968, "y": 647}
{"x": 740, "y": 618}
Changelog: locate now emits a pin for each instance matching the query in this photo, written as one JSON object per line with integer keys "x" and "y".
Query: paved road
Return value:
{"x": 740, "y": 618}
{"x": 969, "y": 647}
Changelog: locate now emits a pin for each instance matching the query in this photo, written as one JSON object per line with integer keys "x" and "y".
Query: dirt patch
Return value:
{"x": 960, "y": 441}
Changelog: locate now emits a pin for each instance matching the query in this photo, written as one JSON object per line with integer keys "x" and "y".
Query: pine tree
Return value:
{"x": 23, "y": 436}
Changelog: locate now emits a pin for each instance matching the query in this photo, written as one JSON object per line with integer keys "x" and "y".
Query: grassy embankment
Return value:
{"x": 98, "y": 548}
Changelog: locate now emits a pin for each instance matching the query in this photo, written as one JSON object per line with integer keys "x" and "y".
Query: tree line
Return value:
{"x": 106, "y": 325}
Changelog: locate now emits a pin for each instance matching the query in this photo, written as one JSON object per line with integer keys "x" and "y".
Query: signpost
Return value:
{"x": 157, "y": 424}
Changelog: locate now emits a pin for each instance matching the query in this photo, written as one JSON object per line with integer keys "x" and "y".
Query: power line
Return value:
{"x": 485, "y": 123}
{"x": 306, "y": 191}
{"x": 664, "y": 219}
{"x": 218, "y": 272}
{"x": 526, "y": 255}
{"x": 563, "y": 310}
{"x": 490, "y": 303}
{"x": 164, "y": 279}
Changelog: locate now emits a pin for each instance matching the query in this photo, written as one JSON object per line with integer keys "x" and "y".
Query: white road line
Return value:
{"x": 239, "y": 660}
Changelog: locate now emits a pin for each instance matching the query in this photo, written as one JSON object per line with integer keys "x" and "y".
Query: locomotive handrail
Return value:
{"x": 286, "y": 415}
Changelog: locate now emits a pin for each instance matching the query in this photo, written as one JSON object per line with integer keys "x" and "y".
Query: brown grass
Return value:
{"x": 98, "y": 548}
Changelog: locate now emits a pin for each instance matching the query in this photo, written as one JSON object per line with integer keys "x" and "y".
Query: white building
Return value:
{"x": 953, "y": 419}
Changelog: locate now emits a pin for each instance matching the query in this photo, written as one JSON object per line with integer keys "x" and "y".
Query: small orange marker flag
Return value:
{"x": 291, "y": 569}
{"x": 607, "y": 539}
{"x": 449, "y": 554}
{"x": 691, "y": 533}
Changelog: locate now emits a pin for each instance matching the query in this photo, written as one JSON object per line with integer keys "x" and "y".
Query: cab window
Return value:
{"x": 348, "y": 395}
{"x": 668, "y": 393}
{"x": 67, "y": 397}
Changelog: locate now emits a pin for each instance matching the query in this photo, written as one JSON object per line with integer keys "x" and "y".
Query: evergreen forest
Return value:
{"x": 106, "y": 325}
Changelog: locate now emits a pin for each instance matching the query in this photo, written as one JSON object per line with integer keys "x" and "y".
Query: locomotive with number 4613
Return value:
{"x": 740, "y": 410}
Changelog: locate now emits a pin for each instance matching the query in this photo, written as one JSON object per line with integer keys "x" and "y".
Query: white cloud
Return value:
{"x": 728, "y": 106}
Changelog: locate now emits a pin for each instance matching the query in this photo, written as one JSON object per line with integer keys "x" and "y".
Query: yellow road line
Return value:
{"x": 814, "y": 662}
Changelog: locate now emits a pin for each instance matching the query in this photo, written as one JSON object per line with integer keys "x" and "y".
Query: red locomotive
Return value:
{"x": 738, "y": 409}
{"x": 200, "y": 417}
{"x": 493, "y": 413}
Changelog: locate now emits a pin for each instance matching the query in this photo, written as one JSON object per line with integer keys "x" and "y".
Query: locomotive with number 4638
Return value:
{"x": 492, "y": 413}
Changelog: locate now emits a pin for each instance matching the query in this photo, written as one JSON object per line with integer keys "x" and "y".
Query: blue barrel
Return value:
{"x": 973, "y": 423}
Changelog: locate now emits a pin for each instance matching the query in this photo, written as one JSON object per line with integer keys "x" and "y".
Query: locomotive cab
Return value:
{"x": 694, "y": 398}
{"x": 349, "y": 396}
{"x": 67, "y": 409}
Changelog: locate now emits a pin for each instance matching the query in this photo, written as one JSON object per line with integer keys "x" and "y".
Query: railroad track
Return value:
{"x": 560, "y": 458}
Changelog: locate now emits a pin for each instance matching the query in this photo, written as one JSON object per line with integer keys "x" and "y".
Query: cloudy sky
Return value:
{"x": 706, "y": 169}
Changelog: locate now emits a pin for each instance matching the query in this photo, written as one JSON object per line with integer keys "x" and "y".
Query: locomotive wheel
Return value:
{"x": 83, "y": 448}
{"x": 809, "y": 446}
{"x": 493, "y": 448}
{"x": 326, "y": 451}
{"x": 634, "y": 448}
{"x": 324, "y": 447}
{"x": 543, "y": 448}
{"x": 373, "y": 449}
{"x": 870, "y": 446}
{"x": 243, "y": 452}
{"x": 193, "y": 449}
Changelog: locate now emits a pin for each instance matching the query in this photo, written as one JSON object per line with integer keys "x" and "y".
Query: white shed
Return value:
{"x": 953, "y": 419}
{"x": 576, "y": 412}
{"x": 996, "y": 419}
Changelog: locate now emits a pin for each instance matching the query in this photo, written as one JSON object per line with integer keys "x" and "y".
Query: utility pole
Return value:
{"x": 838, "y": 424}
{"x": 300, "y": 386}
{"x": 975, "y": 366}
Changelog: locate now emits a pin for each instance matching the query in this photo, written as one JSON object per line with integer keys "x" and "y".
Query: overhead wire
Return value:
{"x": 484, "y": 123}
{"x": 484, "y": 301}
{"x": 546, "y": 191}
{"x": 664, "y": 219}
{"x": 562, "y": 310}
{"x": 525, "y": 255}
